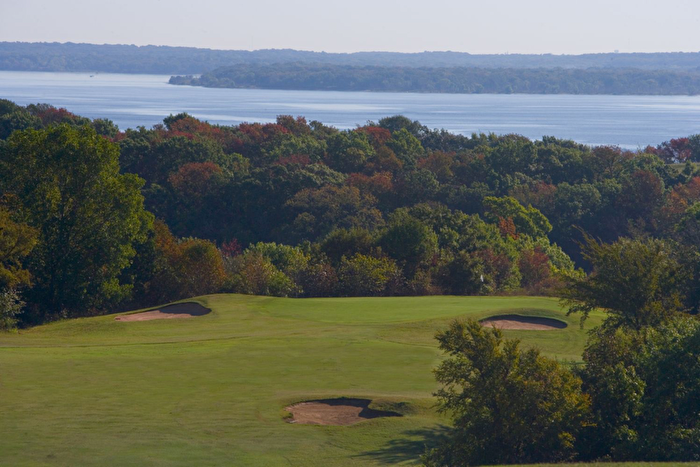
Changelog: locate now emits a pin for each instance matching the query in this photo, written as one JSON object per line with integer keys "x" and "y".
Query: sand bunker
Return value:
{"x": 335, "y": 412}
{"x": 178, "y": 311}
{"x": 529, "y": 323}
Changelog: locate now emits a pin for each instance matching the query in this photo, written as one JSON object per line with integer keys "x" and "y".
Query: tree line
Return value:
{"x": 122, "y": 58}
{"x": 93, "y": 219}
{"x": 456, "y": 80}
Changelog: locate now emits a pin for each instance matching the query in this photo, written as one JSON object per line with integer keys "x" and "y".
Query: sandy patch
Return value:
{"x": 335, "y": 412}
{"x": 178, "y": 311}
{"x": 528, "y": 323}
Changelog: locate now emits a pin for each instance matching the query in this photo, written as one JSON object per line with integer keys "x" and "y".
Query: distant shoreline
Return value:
{"x": 455, "y": 80}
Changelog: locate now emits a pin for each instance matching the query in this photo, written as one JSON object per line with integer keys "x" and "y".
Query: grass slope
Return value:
{"x": 211, "y": 390}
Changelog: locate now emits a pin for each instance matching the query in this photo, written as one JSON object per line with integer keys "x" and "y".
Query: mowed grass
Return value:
{"x": 211, "y": 390}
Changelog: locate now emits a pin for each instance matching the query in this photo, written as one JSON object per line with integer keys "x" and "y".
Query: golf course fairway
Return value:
{"x": 212, "y": 390}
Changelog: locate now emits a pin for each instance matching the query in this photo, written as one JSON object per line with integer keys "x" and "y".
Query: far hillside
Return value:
{"x": 122, "y": 58}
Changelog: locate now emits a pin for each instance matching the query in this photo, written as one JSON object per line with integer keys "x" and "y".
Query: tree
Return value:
{"x": 16, "y": 242}
{"x": 88, "y": 216}
{"x": 406, "y": 147}
{"x": 638, "y": 282}
{"x": 366, "y": 276}
{"x": 508, "y": 405}
{"x": 409, "y": 241}
{"x": 181, "y": 268}
{"x": 18, "y": 119}
{"x": 327, "y": 208}
{"x": 418, "y": 186}
{"x": 399, "y": 122}
{"x": 10, "y": 307}
{"x": 641, "y": 195}
{"x": 317, "y": 280}
{"x": 105, "y": 127}
{"x": 645, "y": 393}
{"x": 349, "y": 151}
{"x": 346, "y": 242}
{"x": 529, "y": 221}
{"x": 254, "y": 274}
{"x": 462, "y": 275}
{"x": 200, "y": 268}
{"x": 534, "y": 267}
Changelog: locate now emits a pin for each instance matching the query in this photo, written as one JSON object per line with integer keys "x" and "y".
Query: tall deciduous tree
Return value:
{"x": 88, "y": 215}
{"x": 409, "y": 241}
{"x": 529, "y": 221}
{"x": 16, "y": 241}
{"x": 645, "y": 393}
{"x": 508, "y": 405}
{"x": 638, "y": 282}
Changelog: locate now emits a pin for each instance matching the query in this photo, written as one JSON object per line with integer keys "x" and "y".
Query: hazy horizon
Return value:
{"x": 409, "y": 26}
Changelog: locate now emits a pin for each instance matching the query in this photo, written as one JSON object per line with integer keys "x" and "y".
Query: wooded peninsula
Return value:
{"x": 459, "y": 80}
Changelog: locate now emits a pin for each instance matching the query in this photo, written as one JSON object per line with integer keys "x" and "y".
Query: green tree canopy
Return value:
{"x": 89, "y": 216}
{"x": 408, "y": 240}
{"x": 363, "y": 276}
{"x": 16, "y": 241}
{"x": 508, "y": 405}
{"x": 349, "y": 151}
{"x": 528, "y": 220}
{"x": 406, "y": 147}
{"x": 645, "y": 393}
{"x": 638, "y": 282}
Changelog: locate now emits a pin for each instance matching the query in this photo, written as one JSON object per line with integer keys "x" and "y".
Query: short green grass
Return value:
{"x": 212, "y": 390}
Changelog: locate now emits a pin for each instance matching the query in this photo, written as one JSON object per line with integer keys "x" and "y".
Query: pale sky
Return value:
{"x": 496, "y": 26}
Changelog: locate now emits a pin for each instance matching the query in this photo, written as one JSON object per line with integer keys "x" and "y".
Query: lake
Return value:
{"x": 134, "y": 100}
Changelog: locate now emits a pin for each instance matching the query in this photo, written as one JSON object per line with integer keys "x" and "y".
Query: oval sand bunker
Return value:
{"x": 527, "y": 323}
{"x": 177, "y": 311}
{"x": 335, "y": 412}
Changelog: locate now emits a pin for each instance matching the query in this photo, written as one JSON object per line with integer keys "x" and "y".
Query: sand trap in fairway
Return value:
{"x": 335, "y": 412}
{"x": 528, "y": 323}
{"x": 178, "y": 311}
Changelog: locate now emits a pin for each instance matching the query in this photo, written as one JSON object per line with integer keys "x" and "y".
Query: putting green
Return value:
{"x": 211, "y": 390}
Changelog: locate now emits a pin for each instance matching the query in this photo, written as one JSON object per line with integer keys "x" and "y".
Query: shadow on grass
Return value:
{"x": 411, "y": 445}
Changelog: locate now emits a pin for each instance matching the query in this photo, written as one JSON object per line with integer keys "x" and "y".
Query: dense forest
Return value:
{"x": 25, "y": 56}
{"x": 94, "y": 219}
{"x": 305, "y": 76}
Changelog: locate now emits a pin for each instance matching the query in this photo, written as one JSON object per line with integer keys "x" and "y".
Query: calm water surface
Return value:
{"x": 134, "y": 100}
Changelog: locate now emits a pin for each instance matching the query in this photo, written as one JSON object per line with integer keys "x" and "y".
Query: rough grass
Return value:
{"x": 211, "y": 390}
